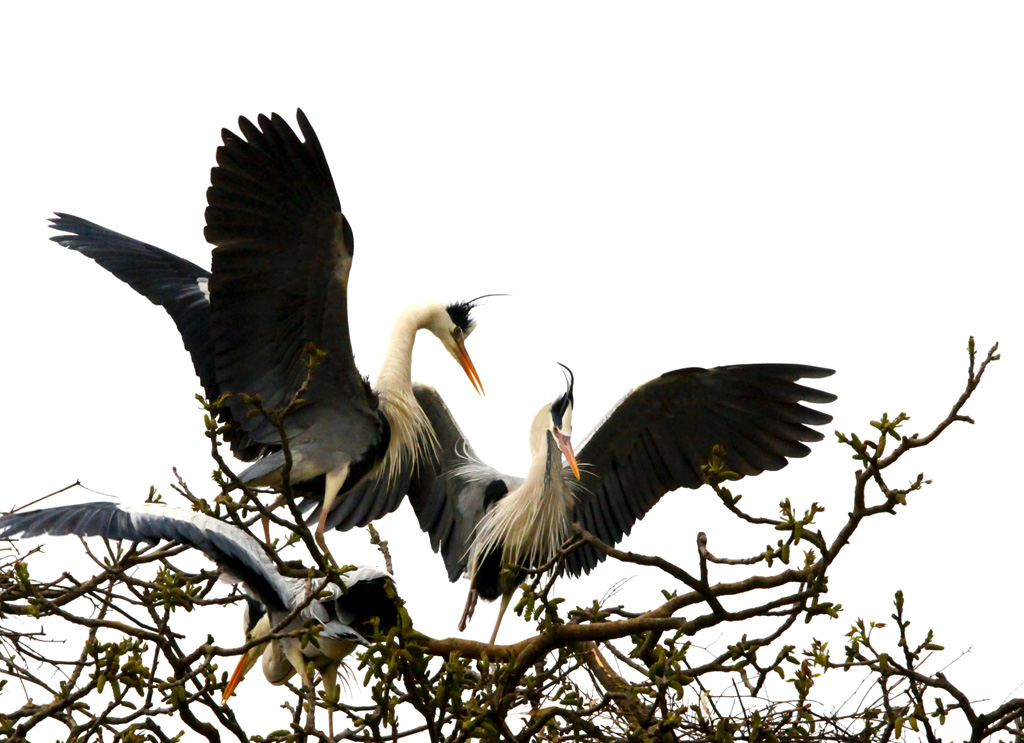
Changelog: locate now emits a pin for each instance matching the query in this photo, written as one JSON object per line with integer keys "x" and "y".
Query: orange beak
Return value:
{"x": 566, "y": 446}
{"x": 247, "y": 661}
{"x": 462, "y": 356}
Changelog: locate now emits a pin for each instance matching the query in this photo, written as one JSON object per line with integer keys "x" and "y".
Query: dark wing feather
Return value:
{"x": 658, "y": 437}
{"x": 369, "y": 500}
{"x": 370, "y": 596}
{"x": 279, "y": 283}
{"x": 232, "y": 549}
{"x": 447, "y": 495}
{"x": 161, "y": 277}
{"x": 165, "y": 280}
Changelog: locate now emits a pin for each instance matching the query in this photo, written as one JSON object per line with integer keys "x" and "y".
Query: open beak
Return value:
{"x": 248, "y": 660}
{"x": 566, "y": 446}
{"x": 462, "y": 356}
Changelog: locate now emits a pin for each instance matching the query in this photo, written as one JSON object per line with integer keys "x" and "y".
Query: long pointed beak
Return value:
{"x": 566, "y": 446}
{"x": 247, "y": 661}
{"x": 462, "y": 356}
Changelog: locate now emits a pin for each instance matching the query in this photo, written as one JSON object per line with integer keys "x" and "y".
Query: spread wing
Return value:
{"x": 657, "y": 438}
{"x": 279, "y": 281}
{"x": 375, "y": 496}
{"x": 448, "y": 495}
{"x": 235, "y": 552}
{"x": 177, "y": 285}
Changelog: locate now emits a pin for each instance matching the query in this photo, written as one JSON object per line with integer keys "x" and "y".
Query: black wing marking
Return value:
{"x": 657, "y": 438}
{"x": 366, "y": 600}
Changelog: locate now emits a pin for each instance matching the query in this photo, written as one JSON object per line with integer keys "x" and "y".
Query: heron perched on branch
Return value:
{"x": 277, "y": 605}
{"x": 654, "y": 440}
{"x": 278, "y": 293}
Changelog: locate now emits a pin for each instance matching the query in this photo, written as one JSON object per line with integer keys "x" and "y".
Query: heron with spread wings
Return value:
{"x": 654, "y": 440}
{"x": 276, "y": 604}
{"x": 277, "y": 294}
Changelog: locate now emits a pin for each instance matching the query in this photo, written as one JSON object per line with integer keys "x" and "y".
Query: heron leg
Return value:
{"x": 505, "y": 598}
{"x": 293, "y": 652}
{"x": 266, "y": 520}
{"x": 329, "y": 674}
{"x": 335, "y": 479}
{"x": 467, "y": 613}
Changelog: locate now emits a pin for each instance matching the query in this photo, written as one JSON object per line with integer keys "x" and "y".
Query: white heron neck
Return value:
{"x": 412, "y": 436}
{"x": 396, "y": 371}
{"x": 532, "y": 521}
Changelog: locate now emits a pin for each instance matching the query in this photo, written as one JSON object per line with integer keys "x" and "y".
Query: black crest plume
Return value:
{"x": 459, "y": 312}
{"x": 563, "y": 402}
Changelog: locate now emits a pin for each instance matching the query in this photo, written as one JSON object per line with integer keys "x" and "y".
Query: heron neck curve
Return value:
{"x": 396, "y": 371}
{"x": 411, "y": 433}
{"x": 531, "y": 522}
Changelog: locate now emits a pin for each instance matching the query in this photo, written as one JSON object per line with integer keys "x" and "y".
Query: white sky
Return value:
{"x": 657, "y": 187}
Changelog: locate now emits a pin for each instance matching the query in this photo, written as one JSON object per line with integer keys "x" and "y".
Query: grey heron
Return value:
{"x": 277, "y": 289}
{"x": 654, "y": 440}
{"x": 277, "y": 603}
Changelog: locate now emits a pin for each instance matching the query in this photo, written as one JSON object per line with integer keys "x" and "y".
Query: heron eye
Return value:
{"x": 457, "y": 333}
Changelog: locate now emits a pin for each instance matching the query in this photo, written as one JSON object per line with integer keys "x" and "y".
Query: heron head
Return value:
{"x": 452, "y": 324}
{"x": 253, "y": 613}
{"x": 561, "y": 421}
{"x": 257, "y": 625}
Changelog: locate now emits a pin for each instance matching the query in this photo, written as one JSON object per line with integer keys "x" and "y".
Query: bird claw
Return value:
{"x": 467, "y": 613}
